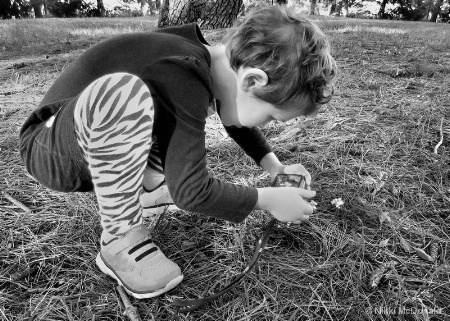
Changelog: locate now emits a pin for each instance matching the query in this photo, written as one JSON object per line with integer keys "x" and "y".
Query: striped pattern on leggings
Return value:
{"x": 113, "y": 123}
{"x": 154, "y": 159}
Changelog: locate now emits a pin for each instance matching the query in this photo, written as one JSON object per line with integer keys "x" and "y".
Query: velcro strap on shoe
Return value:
{"x": 140, "y": 245}
{"x": 149, "y": 251}
{"x": 127, "y": 241}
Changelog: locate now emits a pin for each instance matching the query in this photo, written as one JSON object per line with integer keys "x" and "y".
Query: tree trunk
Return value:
{"x": 209, "y": 14}
{"x": 37, "y": 7}
{"x": 430, "y": 3}
{"x": 436, "y": 10}
{"x": 164, "y": 14}
{"x": 382, "y": 9}
{"x": 144, "y": 7}
{"x": 101, "y": 7}
{"x": 312, "y": 7}
{"x": 154, "y": 6}
{"x": 333, "y": 7}
{"x": 338, "y": 9}
{"x": 345, "y": 2}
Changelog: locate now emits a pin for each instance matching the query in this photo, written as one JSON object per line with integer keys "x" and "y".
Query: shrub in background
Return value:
{"x": 445, "y": 13}
{"x": 15, "y": 9}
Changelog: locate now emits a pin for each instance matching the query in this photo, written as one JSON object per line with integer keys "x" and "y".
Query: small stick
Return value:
{"x": 16, "y": 202}
{"x": 18, "y": 276}
{"x": 130, "y": 311}
{"x": 442, "y": 137}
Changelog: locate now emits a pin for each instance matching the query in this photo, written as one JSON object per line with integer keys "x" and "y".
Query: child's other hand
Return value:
{"x": 299, "y": 170}
{"x": 286, "y": 204}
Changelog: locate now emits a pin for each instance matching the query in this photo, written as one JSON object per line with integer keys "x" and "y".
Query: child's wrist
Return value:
{"x": 263, "y": 199}
{"x": 259, "y": 202}
{"x": 271, "y": 164}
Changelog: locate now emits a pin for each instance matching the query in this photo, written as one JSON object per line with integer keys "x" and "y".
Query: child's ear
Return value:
{"x": 253, "y": 78}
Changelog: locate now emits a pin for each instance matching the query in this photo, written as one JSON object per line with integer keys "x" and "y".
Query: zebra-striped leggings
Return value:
{"x": 113, "y": 124}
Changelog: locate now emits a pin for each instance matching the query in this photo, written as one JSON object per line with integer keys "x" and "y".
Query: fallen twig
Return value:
{"x": 18, "y": 276}
{"x": 16, "y": 202}
{"x": 130, "y": 311}
{"x": 23, "y": 274}
{"x": 442, "y": 137}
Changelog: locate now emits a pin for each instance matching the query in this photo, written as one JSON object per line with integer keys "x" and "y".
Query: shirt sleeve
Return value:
{"x": 251, "y": 140}
{"x": 181, "y": 89}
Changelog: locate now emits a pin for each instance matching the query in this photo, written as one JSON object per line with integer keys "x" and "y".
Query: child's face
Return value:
{"x": 255, "y": 113}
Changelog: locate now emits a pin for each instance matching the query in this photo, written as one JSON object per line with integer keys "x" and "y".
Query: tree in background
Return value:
{"x": 144, "y": 7}
{"x": 339, "y": 7}
{"x": 342, "y": 8}
{"x": 436, "y": 9}
{"x": 445, "y": 12}
{"x": 382, "y": 10}
{"x": 413, "y": 10}
{"x": 222, "y": 13}
{"x": 101, "y": 8}
{"x": 312, "y": 7}
{"x": 39, "y": 6}
{"x": 14, "y": 9}
{"x": 64, "y": 9}
{"x": 209, "y": 14}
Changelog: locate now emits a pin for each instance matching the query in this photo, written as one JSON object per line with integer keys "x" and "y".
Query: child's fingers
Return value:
{"x": 307, "y": 179}
{"x": 306, "y": 193}
{"x": 308, "y": 208}
{"x": 299, "y": 170}
{"x": 305, "y": 218}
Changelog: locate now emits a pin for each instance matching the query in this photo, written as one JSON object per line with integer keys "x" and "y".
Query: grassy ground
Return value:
{"x": 375, "y": 146}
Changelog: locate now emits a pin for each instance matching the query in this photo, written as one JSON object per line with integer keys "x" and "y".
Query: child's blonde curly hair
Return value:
{"x": 294, "y": 53}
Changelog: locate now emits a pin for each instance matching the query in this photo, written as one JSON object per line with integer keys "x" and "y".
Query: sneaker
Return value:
{"x": 138, "y": 265}
{"x": 157, "y": 201}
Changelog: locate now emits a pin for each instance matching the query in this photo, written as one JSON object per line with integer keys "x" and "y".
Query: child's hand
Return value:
{"x": 293, "y": 169}
{"x": 286, "y": 204}
{"x": 299, "y": 170}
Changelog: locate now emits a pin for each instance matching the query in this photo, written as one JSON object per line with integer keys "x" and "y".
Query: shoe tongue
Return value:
{"x": 133, "y": 236}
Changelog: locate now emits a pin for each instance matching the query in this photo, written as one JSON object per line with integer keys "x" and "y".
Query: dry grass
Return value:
{"x": 372, "y": 147}
{"x": 34, "y": 36}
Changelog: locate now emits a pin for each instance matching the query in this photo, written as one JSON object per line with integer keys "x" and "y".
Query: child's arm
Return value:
{"x": 251, "y": 140}
{"x": 254, "y": 144}
{"x": 287, "y": 204}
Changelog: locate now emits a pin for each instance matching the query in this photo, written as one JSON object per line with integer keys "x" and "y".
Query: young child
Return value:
{"x": 127, "y": 120}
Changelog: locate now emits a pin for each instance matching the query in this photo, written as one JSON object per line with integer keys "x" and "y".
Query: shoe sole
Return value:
{"x": 105, "y": 269}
